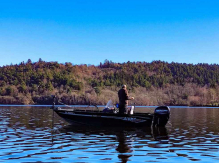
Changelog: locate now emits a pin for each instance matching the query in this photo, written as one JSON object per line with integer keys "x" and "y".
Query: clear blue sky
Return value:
{"x": 90, "y": 31}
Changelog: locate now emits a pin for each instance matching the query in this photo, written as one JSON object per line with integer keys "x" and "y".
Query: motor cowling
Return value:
{"x": 161, "y": 116}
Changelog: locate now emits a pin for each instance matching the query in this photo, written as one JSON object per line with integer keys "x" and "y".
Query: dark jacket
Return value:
{"x": 123, "y": 96}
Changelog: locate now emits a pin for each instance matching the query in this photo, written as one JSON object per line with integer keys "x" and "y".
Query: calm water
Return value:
{"x": 26, "y": 136}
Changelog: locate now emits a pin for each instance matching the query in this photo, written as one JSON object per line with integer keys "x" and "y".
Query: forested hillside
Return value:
{"x": 155, "y": 83}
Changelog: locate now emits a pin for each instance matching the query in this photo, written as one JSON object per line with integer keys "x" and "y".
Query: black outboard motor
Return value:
{"x": 161, "y": 116}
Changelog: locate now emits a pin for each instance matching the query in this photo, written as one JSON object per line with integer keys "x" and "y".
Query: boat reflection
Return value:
{"x": 160, "y": 133}
{"x": 124, "y": 138}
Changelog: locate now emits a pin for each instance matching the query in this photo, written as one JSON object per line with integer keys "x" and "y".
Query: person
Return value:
{"x": 123, "y": 99}
{"x": 109, "y": 108}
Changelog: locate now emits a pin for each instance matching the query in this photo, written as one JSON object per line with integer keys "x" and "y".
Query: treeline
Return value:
{"x": 154, "y": 83}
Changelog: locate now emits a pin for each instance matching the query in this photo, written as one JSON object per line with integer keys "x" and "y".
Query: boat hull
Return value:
{"x": 106, "y": 119}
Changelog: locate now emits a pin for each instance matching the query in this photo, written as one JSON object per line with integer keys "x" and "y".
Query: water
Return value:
{"x": 26, "y": 136}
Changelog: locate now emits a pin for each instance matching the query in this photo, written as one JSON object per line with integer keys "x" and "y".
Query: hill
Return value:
{"x": 155, "y": 83}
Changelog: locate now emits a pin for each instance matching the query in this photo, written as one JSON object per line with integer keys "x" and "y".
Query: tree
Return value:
{"x": 9, "y": 91}
{"x": 22, "y": 88}
{"x": 97, "y": 90}
{"x": 40, "y": 60}
{"x": 49, "y": 86}
{"x": 29, "y": 61}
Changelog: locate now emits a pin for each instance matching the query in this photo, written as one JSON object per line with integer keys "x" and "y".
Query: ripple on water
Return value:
{"x": 26, "y": 136}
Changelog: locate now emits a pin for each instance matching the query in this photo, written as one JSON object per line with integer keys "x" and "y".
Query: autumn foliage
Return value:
{"x": 155, "y": 83}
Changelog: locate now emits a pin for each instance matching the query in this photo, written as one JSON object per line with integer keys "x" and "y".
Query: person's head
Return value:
{"x": 124, "y": 86}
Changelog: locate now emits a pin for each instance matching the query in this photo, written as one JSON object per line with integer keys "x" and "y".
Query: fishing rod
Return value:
{"x": 65, "y": 104}
{"x": 69, "y": 105}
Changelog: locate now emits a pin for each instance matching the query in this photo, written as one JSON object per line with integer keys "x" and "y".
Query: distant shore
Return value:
{"x": 152, "y": 84}
{"x": 42, "y": 105}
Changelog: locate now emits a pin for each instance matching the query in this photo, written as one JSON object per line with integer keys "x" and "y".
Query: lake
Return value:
{"x": 26, "y": 135}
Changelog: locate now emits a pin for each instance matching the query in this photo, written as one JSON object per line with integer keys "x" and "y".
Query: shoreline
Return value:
{"x": 138, "y": 106}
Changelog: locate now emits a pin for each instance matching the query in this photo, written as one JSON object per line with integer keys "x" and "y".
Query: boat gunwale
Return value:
{"x": 135, "y": 115}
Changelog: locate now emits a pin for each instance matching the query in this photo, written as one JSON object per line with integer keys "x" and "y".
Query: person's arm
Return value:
{"x": 127, "y": 96}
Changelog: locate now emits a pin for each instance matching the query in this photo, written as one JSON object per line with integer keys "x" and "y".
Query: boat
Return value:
{"x": 112, "y": 118}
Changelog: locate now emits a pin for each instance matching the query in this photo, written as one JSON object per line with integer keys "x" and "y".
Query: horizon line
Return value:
{"x": 106, "y": 60}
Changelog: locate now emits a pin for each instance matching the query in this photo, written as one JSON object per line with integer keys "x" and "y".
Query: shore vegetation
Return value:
{"x": 154, "y": 83}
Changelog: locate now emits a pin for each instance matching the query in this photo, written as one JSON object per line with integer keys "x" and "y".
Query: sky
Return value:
{"x": 90, "y": 31}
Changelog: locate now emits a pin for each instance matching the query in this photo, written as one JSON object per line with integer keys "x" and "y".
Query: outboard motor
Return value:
{"x": 161, "y": 116}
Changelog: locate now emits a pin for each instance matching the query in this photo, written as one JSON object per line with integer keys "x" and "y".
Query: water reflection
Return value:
{"x": 160, "y": 133}
{"x": 123, "y": 147}
{"x": 122, "y": 139}
{"x": 26, "y": 136}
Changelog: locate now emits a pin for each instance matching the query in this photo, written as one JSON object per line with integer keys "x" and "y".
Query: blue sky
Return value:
{"x": 90, "y": 31}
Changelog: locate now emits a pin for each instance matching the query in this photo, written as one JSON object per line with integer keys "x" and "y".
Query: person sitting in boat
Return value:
{"x": 123, "y": 99}
{"x": 109, "y": 108}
